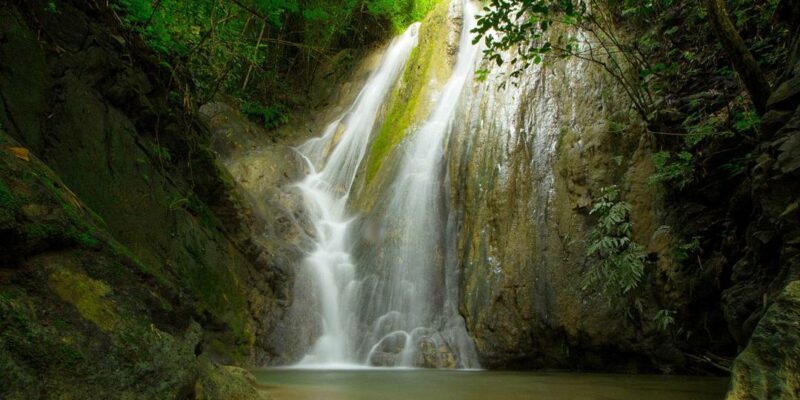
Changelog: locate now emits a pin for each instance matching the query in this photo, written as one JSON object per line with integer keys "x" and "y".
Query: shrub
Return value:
{"x": 617, "y": 262}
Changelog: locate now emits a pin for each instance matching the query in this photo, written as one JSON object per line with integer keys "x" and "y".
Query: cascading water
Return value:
{"x": 408, "y": 306}
{"x": 398, "y": 309}
{"x": 334, "y": 159}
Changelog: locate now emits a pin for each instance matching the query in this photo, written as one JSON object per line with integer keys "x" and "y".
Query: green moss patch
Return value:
{"x": 768, "y": 367}
{"x": 87, "y": 295}
{"x": 27, "y": 347}
{"x": 410, "y": 102}
{"x": 226, "y": 382}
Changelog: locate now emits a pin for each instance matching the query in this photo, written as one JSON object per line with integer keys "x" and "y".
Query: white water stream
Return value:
{"x": 395, "y": 311}
{"x": 410, "y": 304}
{"x": 334, "y": 159}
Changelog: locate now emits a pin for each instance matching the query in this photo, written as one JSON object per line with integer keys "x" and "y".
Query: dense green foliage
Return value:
{"x": 642, "y": 63}
{"x": 263, "y": 52}
{"x": 701, "y": 134}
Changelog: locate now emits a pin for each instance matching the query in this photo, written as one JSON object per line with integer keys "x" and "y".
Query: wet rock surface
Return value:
{"x": 388, "y": 352}
{"x": 525, "y": 166}
{"x": 82, "y": 315}
{"x": 525, "y": 169}
{"x": 278, "y": 232}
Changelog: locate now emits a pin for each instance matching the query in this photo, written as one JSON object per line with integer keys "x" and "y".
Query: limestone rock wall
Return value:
{"x": 525, "y": 165}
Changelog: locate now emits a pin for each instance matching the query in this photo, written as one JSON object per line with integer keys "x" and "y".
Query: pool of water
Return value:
{"x": 294, "y": 384}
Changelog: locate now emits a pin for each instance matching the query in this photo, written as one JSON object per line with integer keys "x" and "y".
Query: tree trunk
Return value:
{"x": 754, "y": 80}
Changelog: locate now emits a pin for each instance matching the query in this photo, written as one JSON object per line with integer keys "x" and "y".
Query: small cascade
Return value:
{"x": 334, "y": 159}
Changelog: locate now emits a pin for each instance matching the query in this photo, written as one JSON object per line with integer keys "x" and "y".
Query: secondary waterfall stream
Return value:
{"x": 399, "y": 309}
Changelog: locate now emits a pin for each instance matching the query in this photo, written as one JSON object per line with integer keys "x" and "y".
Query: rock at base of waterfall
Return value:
{"x": 431, "y": 355}
{"x": 388, "y": 352}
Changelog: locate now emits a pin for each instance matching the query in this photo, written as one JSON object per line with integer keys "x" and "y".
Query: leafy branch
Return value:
{"x": 617, "y": 262}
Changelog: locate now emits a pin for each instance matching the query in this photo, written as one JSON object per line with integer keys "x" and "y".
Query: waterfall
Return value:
{"x": 334, "y": 159}
{"x": 394, "y": 304}
{"x": 410, "y": 303}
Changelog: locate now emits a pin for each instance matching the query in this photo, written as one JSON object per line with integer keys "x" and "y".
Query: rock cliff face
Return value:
{"x": 124, "y": 263}
{"x": 767, "y": 369}
{"x": 763, "y": 301}
{"x": 523, "y": 164}
{"x": 525, "y": 168}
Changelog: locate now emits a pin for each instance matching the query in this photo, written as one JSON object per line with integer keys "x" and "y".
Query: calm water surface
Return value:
{"x": 292, "y": 384}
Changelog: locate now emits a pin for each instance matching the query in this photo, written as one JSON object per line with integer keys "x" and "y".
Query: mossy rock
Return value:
{"x": 87, "y": 295}
{"x": 227, "y": 382}
{"x": 130, "y": 184}
{"x": 769, "y": 368}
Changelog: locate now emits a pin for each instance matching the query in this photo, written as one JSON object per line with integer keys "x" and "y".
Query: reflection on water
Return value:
{"x": 293, "y": 384}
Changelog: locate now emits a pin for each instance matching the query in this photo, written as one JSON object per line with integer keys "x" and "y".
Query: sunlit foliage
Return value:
{"x": 260, "y": 51}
